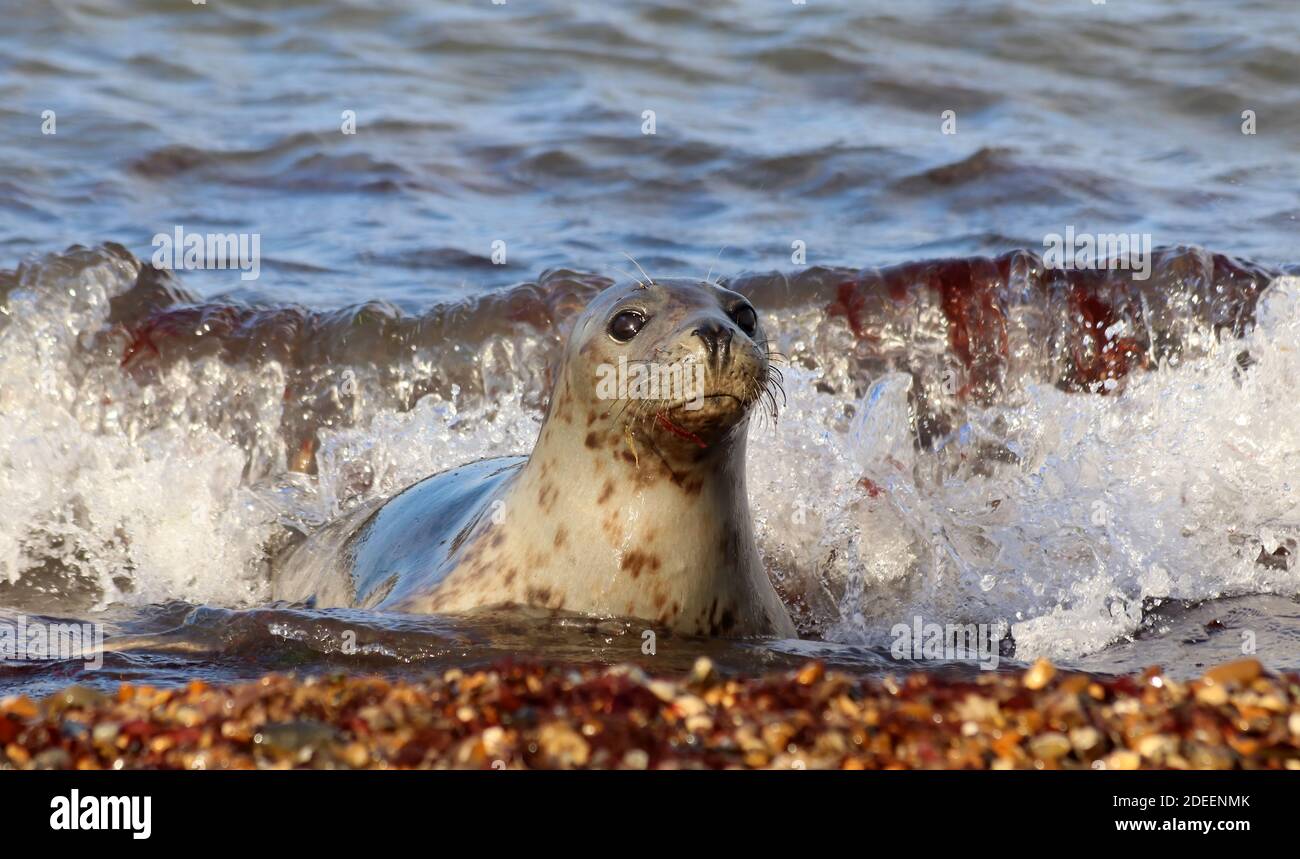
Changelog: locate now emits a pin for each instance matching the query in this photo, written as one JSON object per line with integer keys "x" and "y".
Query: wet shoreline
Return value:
{"x": 538, "y": 716}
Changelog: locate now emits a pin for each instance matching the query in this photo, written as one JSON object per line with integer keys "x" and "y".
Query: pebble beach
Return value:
{"x": 538, "y": 716}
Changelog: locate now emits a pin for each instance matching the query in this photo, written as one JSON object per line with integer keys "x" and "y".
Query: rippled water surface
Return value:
{"x": 522, "y": 123}
{"x": 1104, "y": 469}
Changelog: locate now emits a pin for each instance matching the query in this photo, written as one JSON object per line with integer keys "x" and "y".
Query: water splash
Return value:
{"x": 152, "y": 449}
{"x": 113, "y": 492}
{"x": 1057, "y": 515}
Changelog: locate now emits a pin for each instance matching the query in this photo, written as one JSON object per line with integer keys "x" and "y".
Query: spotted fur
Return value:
{"x": 624, "y": 507}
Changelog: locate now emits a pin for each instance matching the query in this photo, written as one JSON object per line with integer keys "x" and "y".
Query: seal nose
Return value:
{"x": 716, "y": 337}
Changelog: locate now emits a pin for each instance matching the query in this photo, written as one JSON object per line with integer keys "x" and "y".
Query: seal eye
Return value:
{"x": 747, "y": 319}
{"x": 625, "y": 325}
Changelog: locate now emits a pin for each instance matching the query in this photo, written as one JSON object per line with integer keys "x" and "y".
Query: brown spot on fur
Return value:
{"x": 510, "y": 576}
{"x": 605, "y": 492}
{"x": 560, "y": 536}
{"x": 636, "y": 561}
{"x": 538, "y": 595}
{"x": 592, "y": 440}
{"x": 497, "y": 539}
{"x": 610, "y": 526}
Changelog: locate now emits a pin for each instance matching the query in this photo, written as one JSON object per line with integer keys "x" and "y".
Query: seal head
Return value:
{"x": 677, "y": 365}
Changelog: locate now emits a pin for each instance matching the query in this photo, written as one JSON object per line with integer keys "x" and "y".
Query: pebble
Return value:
{"x": 297, "y": 740}
{"x": 1039, "y": 675}
{"x": 1242, "y": 671}
{"x": 809, "y": 674}
{"x": 75, "y": 697}
{"x": 663, "y": 690}
{"x": 1123, "y": 760}
{"x": 690, "y": 705}
{"x": 1084, "y": 739}
{"x": 355, "y": 755}
{"x": 105, "y": 733}
{"x": 1215, "y": 695}
{"x": 562, "y": 746}
{"x": 1050, "y": 746}
{"x": 20, "y": 707}
{"x": 1156, "y": 746}
{"x": 702, "y": 672}
{"x": 52, "y": 759}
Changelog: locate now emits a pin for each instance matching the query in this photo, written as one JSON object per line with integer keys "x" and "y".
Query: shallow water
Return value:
{"x": 1100, "y": 469}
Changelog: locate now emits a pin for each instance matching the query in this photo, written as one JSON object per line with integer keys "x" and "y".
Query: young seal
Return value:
{"x": 632, "y": 503}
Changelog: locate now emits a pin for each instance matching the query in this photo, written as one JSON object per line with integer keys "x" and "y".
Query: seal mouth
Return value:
{"x": 704, "y": 419}
{"x": 706, "y": 406}
{"x": 699, "y": 419}
{"x": 719, "y": 404}
{"x": 684, "y": 404}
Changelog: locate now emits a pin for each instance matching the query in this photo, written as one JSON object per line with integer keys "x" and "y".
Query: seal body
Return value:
{"x": 632, "y": 503}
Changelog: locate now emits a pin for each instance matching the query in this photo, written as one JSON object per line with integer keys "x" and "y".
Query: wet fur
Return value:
{"x": 625, "y": 507}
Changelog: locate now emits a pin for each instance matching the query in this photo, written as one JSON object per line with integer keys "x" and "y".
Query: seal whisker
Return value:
{"x": 774, "y": 382}
{"x": 643, "y": 271}
{"x": 626, "y": 405}
{"x": 631, "y": 276}
{"x": 711, "y": 265}
{"x": 772, "y": 354}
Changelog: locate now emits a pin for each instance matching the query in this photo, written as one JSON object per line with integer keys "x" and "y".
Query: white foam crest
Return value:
{"x": 108, "y": 482}
{"x": 1170, "y": 488}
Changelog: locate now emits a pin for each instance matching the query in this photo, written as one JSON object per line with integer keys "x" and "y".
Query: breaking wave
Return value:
{"x": 977, "y": 439}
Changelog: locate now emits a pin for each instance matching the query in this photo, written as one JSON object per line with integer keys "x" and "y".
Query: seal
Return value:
{"x": 632, "y": 503}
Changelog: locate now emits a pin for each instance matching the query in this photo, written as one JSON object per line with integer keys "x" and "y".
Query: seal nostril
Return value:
{"x": 717, "y": 340}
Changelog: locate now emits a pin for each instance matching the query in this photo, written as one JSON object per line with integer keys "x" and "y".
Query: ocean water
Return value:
{"x": 1102, "y": 470}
